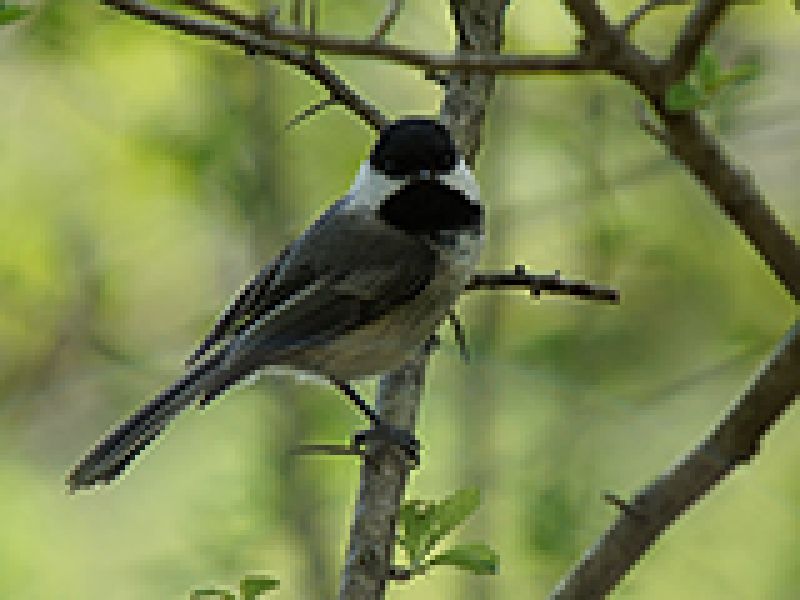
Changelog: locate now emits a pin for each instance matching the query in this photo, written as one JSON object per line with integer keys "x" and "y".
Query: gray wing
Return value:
{"x": 346, "y": 270}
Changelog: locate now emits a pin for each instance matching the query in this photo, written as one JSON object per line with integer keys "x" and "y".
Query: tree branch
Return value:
{"x": 536, "y": 284}
{"x": 637, "y": 15}
{"x": 735, "y": 440}
{"x": 736, "y": 194}
{"x": 254, "y": 43}
{"x": 388, "y": 19}
{"x": 590, "y": 17}
{"x": 384, "y": 476}
{"x": 693, "y": 37}
{"x": 256, "y": 38}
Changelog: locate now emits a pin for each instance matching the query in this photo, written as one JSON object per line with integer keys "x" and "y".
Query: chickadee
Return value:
{"x": 354, "y": 296}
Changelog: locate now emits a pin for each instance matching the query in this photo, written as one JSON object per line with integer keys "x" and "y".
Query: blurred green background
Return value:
{"x": 145, "y": 175}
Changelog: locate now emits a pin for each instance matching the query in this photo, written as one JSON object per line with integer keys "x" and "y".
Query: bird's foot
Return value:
{"x": 386, "y": 435}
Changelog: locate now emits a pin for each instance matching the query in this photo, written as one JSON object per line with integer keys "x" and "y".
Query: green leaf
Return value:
{"x": 707, "y": 70}
{"x": 742, "y": 73}
{"x": 477, "y": 558}
{"x": 212, "y": 593}
{"x": 9, "y": 14}
{"x": 414, "y": 520}
{"x": 684, "y": 96}
{"x": 449, "y": 514}
{"x": 252, "y": 587}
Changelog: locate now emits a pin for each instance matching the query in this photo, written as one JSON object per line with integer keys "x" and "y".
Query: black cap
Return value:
{"x": 408, "y": 147}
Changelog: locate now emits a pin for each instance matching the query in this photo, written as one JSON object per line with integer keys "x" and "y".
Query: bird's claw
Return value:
{"x": 392, "y": 436}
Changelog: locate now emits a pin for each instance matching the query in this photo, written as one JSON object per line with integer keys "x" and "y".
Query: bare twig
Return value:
{"x": 632, "y": 19}
{"x": 249, "y": 41}
{"x": 297, "y": 12}
{"x": 648, "y": 126}
{"x": 313, "y": 22}
{"x": 261, "y": 43}
{"x": 387, "y": 20}
{"x": 693, "y": 37}
{"x": 311, "y": 111}
{"x": 330, "y": 449}
{"x": 733, "y": 441}
{"x": 622, "y": 505}
{"x": 536, "y": 284}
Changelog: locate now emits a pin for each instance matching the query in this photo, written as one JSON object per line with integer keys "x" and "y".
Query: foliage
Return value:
{"x": 11, "y": 12}
{"x": 707, "y": 81}
{"x": 423, "y": 525}
{"x": 250, "y": 588}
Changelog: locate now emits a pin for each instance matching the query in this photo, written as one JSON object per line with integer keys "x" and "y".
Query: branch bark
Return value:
{"x": 694, "y": 36}
{"x": 735, "y": 440}
{"x": 252, "y": 35}
{"x": 384, "y": 474}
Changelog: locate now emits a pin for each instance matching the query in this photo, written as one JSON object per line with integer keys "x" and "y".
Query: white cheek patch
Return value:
{"x": 462, "y": 179}
{"x": 371, "y": 188}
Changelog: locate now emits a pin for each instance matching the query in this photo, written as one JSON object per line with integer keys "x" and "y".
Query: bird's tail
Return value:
{"x": 112, "y": 455}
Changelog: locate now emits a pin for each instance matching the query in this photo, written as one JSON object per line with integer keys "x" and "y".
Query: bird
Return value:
{"x": 354, "y": 296}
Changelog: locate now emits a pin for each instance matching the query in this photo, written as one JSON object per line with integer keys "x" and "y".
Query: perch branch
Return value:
{"x": 536, "y": 284}
{"x": 369, "y": 563}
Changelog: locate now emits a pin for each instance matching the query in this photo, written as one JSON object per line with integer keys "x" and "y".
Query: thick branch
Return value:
{"x": 590, "y": 17}
{"x": 383, "y": 479}
{"x": 735, "y": 192}
{"x": 734, "y": 441}
{"x": 737, "y": 437}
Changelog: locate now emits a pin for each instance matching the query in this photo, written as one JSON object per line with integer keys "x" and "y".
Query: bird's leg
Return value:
{"x": 458, "y": 331}
{"x": 379, "y": 431}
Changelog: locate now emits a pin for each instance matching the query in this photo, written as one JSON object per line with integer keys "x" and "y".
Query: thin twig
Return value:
{"x": 693, "y": 37}
{"x": 330, "y": 449}
{"x": 537, "y": 284}
{"x": 632, "y": 19}
{"x": 311, "y": 111}
{"x": 648, "y": 126}
{"x": 622, "y": 505}
{"x": 387, "y": 20}
{"x": 297, "y": 13}
{"x": 259, "y": 40}
{"x": 247, "y": 40}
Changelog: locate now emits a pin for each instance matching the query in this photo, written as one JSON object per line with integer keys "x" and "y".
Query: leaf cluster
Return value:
{"x": 707, "y": 81}
{"x": 250, "y": 588}
{"x": 423, "y": 525}
{"x": 11, "y": 12}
